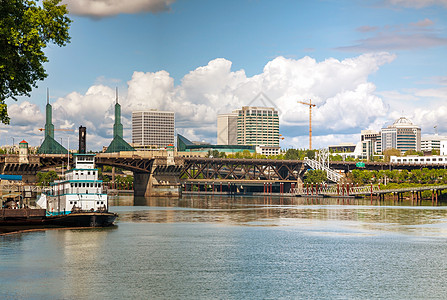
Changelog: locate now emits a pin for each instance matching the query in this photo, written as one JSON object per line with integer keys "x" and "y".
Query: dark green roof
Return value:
{"x": 119, "y": 144}
{"x": 50, "y": 146}
{"x": 183, "y": 144}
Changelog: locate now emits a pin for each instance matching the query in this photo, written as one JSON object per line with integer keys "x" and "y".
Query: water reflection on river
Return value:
{"x": 361, "y": 214}
{"x": 236, "y": 248}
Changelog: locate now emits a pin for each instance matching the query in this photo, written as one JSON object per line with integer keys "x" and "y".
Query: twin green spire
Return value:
{"x": 51, "y": 146}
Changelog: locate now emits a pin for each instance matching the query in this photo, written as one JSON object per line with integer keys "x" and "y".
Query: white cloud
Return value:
{"x": 26, "y": 120}
{"x": 25, "y": 114}
{"x": 105, "y": 8}
{"x": 425, "y": 107}
{"x": 346, "y": 101}
{"x": 417, "y": 3}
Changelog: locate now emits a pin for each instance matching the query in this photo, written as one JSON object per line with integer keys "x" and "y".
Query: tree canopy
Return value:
{"x": 25, "y": 31}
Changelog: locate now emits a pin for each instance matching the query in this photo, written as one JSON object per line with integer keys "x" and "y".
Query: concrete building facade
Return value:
{"x": 443, "y": 148}
{"x": 257, "y": 126}
{"x": 432, "y": 142}
{"x": 227, "y": 129}
{"x": 152, "y": 129}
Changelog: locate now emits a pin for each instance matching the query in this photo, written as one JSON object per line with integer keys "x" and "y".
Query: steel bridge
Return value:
{"x": 192, "y": 168}
{"x": 241, "y": 169}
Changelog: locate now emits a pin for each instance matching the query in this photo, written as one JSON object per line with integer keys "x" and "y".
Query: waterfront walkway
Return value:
{"x": 346, "y": 190}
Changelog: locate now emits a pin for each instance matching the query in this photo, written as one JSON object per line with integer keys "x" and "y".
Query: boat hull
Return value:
{"x": 22, "y": 216}
{"x": 83, "y": 219}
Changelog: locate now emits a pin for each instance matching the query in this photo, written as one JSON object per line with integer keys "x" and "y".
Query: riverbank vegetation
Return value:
{"x": 399, "y": 178}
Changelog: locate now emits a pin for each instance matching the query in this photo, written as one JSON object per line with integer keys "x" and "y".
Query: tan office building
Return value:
{"x": 152, "y": 129}
{"x": 257, "y": 126}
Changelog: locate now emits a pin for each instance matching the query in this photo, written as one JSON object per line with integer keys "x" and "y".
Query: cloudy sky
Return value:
{"x": 363, "y": 63}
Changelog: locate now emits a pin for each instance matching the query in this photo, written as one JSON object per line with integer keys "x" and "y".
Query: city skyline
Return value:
{"x": 364, "y": 64}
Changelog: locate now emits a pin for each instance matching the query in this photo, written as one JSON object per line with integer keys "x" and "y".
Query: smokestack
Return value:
{"x": 82, "y": 139}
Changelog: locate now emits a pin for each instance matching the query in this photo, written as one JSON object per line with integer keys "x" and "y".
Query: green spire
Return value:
{"x": 118, "y": 143}
{"x": 117, "y": 127}
{"x": 49, "y": 127}
{"x": 49, "y": 145}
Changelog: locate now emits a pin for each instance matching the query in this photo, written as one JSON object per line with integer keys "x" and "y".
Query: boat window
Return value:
{"x": 102, "y": 202}
{"x": 88, "y": 173}
{"x": 72, "y": 185}
{"x": 83, "y": 184}
{"x": 97, "y": 202}
{"x": 93, "y": 173}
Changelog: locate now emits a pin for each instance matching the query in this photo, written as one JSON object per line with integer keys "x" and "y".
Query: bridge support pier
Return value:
{"x": 148, "y": 184}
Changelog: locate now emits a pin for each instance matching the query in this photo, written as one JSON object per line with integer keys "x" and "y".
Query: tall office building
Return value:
{"x": 402, "y": 135}
{"x": 227, "y": 129}
{"x": 370, "y": 140}
{"x": 152, "y": 128}
{"x": 257, "y": 126}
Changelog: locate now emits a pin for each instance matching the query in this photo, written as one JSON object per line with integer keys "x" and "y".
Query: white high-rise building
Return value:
{"x": 152, "y": 129}
{"x": 402, "y": 135}
{"x": 432, "y": 142}
{"x": 257, "y": 126}
{"x": 227, "y": 129}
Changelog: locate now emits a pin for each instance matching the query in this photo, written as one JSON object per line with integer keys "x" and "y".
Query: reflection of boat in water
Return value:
{"x": 78, "y": 199}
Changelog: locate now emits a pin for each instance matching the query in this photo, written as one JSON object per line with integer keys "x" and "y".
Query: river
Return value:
{"x": 236, "y": 248}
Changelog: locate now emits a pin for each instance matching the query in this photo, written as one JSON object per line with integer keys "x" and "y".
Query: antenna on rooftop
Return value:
{"x": 436, "y": 129}
{"x": 48, "y": 96}
{"x": 116, "y": 94}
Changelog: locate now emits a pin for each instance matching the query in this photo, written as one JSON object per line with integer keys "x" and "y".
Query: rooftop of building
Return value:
{"x": 403, "y": 122}
{"x": 256, "y": 108}
{"x": 434, "y": 137}
{"x": 152, "y": 110}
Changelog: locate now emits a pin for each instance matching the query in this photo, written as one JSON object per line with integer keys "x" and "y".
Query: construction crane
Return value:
{"x": 42, "y": 129}
{"x": 310, "y": 120}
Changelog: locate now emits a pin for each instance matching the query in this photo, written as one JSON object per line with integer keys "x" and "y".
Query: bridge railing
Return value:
{"x": 331, "y": 174}
{"x": 334, "y": 190}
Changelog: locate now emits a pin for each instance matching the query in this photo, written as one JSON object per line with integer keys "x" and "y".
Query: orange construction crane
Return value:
{"x": 310, "y": 120}
{"x": 42, "y": 129}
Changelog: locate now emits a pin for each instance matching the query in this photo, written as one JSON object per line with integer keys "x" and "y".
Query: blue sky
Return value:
{"x": 364, "y": 63}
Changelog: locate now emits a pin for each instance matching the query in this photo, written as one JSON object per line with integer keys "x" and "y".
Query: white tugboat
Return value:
{"x": 78, "y": 200}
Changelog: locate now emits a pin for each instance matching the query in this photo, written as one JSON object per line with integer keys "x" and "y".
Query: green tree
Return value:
{"x": 246, "y": 154}
{"x": 44, "y": 178}
{"x": 390, "y": 152}
{"x": 310, "y": 154}
{"x": 315, "y": 176}
{"x": 413, "y": 152}
{"x": 25, "y": 31}
{"x": 292, "y": 154}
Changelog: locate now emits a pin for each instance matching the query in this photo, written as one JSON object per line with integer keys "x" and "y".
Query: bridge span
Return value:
{"x": 163, "y": 175}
